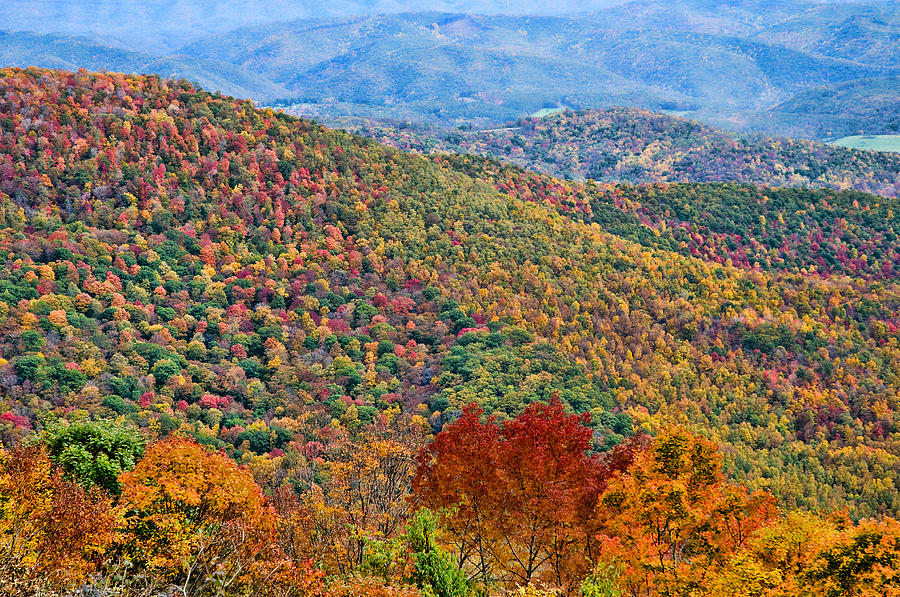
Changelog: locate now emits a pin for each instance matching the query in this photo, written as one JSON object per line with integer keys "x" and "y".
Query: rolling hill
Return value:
{"x": 868, "y": 106}
{"x": 192, "y": 263}
{"x": 636, "y": 146}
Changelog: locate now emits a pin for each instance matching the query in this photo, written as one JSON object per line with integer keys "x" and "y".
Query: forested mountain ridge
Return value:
{"x": 631, "y": 145}
{"x": 728, "y": 223}
{"x": 296, "y": 296}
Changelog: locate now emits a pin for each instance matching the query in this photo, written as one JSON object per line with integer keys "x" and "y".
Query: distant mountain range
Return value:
{"x": 161, "y": 26}
{"x": 816, "y": 69}
{"x": 72, "y": 53}
{"x": 863, "y": 106}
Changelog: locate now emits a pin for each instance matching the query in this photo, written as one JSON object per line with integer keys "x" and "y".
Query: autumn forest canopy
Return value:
{"x": 241, "y": 353}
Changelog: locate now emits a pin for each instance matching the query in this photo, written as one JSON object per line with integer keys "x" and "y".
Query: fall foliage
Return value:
{"x": 670, "y": 518}
{"x": 267, "y": 357}
{"x": 53, "y": 533}
{"x": 521, "y": 496}
{"x": 634, "y": 145}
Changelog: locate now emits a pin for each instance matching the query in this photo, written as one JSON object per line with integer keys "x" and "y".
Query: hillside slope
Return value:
{"x": 869, "y": 106}
{"x": 194, "y": 263}
{"x": 630, "y": 145}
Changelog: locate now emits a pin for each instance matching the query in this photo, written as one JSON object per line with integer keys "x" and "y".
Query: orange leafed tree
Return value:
{"x": 53, "y": 533}
{"x": 671, "y": 518}
{"x": 196, "y": 517}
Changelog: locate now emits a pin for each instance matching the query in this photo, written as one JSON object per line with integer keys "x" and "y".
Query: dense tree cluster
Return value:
{"x": 799, "y": 231}
{"x": 522, "y": 507}
{"x": 317, "y": 307}
{"x": 191, "y": 263}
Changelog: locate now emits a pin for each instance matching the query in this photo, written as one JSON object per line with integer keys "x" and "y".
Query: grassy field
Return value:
{"x": 870, "y": 142}
{"x": 547, "y": 112}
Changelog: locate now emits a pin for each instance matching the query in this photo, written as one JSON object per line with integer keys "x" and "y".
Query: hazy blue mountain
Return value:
{"x": 867, "y": 32}
{"x": 161, "y": 25}
{"x": 867, "y": 106}
{"x": 452, "y": 66}
{"x": 72, "y": 53}
{"x": 736, "y": 63}
{"x": 815, "y": 26}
